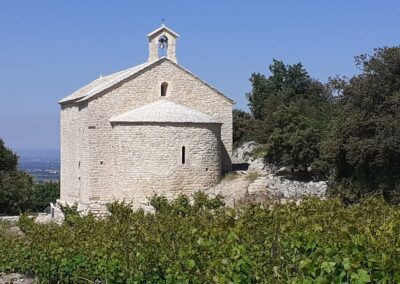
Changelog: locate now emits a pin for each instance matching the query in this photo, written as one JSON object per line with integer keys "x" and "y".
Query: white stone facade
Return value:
{"x": 103, "y": 161}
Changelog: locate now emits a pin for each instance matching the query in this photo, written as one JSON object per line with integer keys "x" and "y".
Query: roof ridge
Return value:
{"x": 81, "y": 93}
{"x": 80, "y": 96}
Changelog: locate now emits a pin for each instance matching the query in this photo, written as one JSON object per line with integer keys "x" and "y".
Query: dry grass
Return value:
{"x": 230, "y": 176}
{"x": 252, "y": 176}
{"x": 9, "y": 229}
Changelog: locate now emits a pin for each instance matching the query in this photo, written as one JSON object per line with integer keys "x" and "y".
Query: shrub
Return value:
{"x": 43, "y": 194}
{"x": 204, "y": 242}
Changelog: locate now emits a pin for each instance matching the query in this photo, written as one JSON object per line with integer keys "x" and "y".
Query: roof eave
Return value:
{"x": 67, "y": 101}
{"x": 85, "y": 98}
{"x": 162, "y": 122}
{"x": 163, "y": 27}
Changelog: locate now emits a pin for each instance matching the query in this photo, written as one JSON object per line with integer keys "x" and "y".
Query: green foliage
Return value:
{"x": 43, "y": 194}
{"x": 15, "y": 186}
{"x": 285, "y": 82}
{"x": 15, "y": 192}
{"x": 291, "y": 113}
{"x": 294, "y": 142}
{"x": 243, "y": 125}
{"x": 71, "y": 213}
{"x": 8, "y": 159}
{"x": 364, "y": 142}
{"x": 203, "y": 242}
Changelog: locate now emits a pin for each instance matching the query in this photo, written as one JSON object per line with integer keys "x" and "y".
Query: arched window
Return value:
{"x": 183, "y": 155}
{"x": 164, "y": 87}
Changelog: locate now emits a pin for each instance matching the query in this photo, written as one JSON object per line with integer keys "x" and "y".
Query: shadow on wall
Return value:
{"x": 226, "y": 162}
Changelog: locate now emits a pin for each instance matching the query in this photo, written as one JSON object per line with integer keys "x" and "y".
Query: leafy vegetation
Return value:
{"x": 364, "y": 142}
{"x": 204, "y": 242}
{"x": 242, "y": 125}
{"x": 15, "y": 186}
{"x": 348, "y": 130}
{"x": 43, "y": 194}
{"x": 289, "y": 116}
{"x": 17, "y": 191}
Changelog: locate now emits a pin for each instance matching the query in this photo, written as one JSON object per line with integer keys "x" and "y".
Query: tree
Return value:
{"x": 43, "y": 194}
{"x": 293, "y": 142}
{"x": 285, "y": 82}
{"x": 243, "y": 125}
{"x": 15, "y": 186}
{"x": 291, "y": 112}
{"x": 15, "y": 192}
{"x": 364, "y": 142}
{"x": 8, "y": 159}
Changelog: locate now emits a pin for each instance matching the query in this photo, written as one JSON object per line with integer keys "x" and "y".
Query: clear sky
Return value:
{"x": 50, "y": 48}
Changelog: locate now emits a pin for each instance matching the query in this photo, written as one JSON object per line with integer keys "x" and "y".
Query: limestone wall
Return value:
{"x": 141, "y": 90}
{"x": 148, "y": 159}
{"x": 74, "y": 154}
{"x": 90, "y": 154}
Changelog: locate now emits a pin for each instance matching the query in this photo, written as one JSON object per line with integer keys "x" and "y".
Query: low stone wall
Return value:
{"x": 280, "y": 188}
{"x": 11, "y": 219}
{"x": 16, "y": 278}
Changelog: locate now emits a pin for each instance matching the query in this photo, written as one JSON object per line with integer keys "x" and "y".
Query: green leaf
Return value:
{"x": 346, "y": 263}
{"x": 328, "y": 266}
{"x": 363, "y": 276}
{"x": 191, "y": 263}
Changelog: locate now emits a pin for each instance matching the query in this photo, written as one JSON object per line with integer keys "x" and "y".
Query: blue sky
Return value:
{"x": 50, "y": 48}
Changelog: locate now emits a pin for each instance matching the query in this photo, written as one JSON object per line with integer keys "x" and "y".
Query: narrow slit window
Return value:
{"x": 183, "y": 155}
{"x": 164, "y": 87}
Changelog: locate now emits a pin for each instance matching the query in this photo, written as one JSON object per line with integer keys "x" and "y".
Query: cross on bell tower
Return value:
{"x": 162, "y": 43}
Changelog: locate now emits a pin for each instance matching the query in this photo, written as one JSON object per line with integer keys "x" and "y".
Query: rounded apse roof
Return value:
{"x": 163, "y": 111}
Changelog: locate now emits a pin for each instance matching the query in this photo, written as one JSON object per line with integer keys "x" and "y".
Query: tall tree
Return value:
{"x": 284, "y": 82}
{"x": 243, "y": 127}
{"x": 8, "y": 159}
{"x": 292, "y": 111}
{"x": 43, "y": 194}
{"x": 364, "y": 144}
{"x": 15, "y": 186}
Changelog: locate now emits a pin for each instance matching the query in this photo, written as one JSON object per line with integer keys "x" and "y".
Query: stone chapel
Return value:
{"x": 155, "y": 128}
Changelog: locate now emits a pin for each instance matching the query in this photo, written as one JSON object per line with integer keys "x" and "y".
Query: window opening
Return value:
{"x": 183, "y": 155}
{"x": 164, "y": 87}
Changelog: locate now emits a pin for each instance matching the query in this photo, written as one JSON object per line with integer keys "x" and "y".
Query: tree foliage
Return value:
{"x": 291, "y": 112}
{"x": 243, "y": 127}
{"x": 364, "y": 142}
{"x": 285, "y": 82}
{"x": 15, "y": 186}
{"x": 17, "y": 191}
{"x": 43, "y": 194}
{"x": 8, "y": 159}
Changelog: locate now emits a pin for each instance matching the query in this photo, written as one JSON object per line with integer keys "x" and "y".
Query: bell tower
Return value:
{"x": 162, "y": 43}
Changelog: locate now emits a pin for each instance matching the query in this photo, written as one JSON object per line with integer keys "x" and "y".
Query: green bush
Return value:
{"x": 363, "y": 145}
{"x": 204, "y": 242}
{"x": 43, "y": 194}
{"x": 15, "y": 186}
